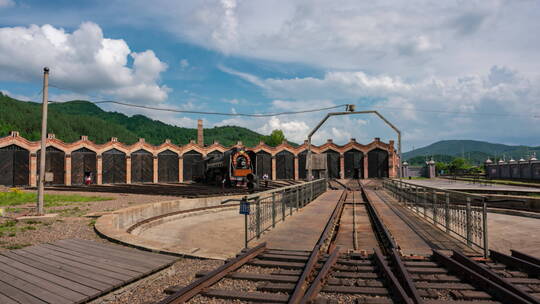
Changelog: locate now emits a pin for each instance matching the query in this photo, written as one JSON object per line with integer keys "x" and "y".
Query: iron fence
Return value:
{"x": 270, "y": 207}
{"x": 461, "y": 214}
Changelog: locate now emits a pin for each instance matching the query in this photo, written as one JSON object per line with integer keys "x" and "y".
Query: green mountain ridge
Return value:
{"x": 476, "y": 151}
{"x": 69, "y": 120}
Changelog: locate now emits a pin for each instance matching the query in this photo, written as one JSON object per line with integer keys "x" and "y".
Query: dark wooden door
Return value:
{"x": 142, "y": 167}
{"x": 302, "y": 170}
{"x": 21, "y": 167}
{"x": 54, "y": 163}
{"x": 114, "y": 167}
{"x": 285, "y": 165}
{"x": 83, "y": 161}
{"x": 191, "y": 159}
{"x": 167, "y": 167}
{"x": 263, "y": 164}
{"x": 6, "y": 167}
{"x": 354, "y": 164}
{"x": 377, "y": 163}
{"x": 332, "y": 164}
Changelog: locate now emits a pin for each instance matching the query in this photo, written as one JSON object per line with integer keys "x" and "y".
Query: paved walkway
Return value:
{"x": 443, "y": 183}
{"x": 303, "y": 230}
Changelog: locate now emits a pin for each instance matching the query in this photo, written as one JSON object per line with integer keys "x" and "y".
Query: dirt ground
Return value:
{"x": 71, "y": 221}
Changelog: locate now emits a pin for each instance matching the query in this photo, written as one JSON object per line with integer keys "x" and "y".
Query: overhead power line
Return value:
{"x": 214, "y": 113}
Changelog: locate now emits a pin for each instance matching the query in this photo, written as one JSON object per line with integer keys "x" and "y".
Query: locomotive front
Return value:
{"x": 240, "y": 168}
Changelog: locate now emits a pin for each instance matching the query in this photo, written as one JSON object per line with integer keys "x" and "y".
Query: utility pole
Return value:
{"x": 43, "y": 153}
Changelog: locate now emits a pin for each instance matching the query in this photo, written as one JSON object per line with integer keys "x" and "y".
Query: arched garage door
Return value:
{"x": 354, "y": 164}
{"x": 192, "y": 165}
{"x": 377, "y": 163}
{"x": 54, "y": 163}
{"x": 332, "y": 163}
{"x": 285, "y": 165}
{"x": 263, "y": 163}
{"x": 142, "y": 167}
{"x": 114, "y": 167}
{"x": 168, "y": 167}
{"x": 83, "y": 161}
{"x": 14, "y": 168}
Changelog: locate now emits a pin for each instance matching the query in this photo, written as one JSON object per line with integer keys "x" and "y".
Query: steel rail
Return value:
{"x": 513, "y": 261}
{"x": 404, "y": 276}
{"x": 317, "y": 283}
{"x": 301, "y": 286}
{"x": 214, "y": 276}
{"x": 498, "y": 291}
{"x": 526, "y": 257}
{"x": 492, "y": 276}
{"x": 393, "y": 282}
{"x": 381, "y": 231}
{"x": 302, "y": 283}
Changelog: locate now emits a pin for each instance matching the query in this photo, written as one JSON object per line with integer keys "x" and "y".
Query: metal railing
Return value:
{"x": 270, "y": 207}
{"x": 461, "y": 214}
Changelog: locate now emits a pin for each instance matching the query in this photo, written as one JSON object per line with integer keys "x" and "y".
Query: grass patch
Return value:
{"x": 13, "y": 210}
{"x": 17, "y": 197}
{"x": 8, "y": 227}
{"x": 92, "y": 223}
{"x": 16, "y": 246}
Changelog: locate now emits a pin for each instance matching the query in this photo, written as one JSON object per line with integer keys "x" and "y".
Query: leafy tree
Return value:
{"x": 440, "y": 166}
{"x": 459, "y": 164}
{"x": 275, "y": 138}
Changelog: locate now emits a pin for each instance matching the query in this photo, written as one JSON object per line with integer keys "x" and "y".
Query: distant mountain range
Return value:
{"x": 476, "y": 151}
{"x": 70, "y": 120}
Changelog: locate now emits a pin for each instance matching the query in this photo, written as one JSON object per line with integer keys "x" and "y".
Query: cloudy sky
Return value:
{"x": 436, "y": 69}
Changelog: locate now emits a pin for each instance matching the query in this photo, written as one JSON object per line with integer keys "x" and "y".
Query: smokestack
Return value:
{"x": 200, "y": 134}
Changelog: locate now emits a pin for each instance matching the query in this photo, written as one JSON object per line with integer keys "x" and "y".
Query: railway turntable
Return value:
{"x": 354, "y": 261}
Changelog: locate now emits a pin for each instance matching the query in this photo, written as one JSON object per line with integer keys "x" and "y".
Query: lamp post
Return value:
{"x": 350, "y": 110}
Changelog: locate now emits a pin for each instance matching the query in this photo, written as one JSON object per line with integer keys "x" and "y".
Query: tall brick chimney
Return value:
{"x": 200, "y": 134}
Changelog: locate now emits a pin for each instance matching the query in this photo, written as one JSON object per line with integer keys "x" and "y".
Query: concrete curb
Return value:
{"x": 114, "y": 226}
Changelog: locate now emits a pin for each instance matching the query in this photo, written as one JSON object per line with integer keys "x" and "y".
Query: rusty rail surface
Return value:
{"x": 318, "y": 282}
{"x": 480, "y": 280}
{"x": 513, "y": 261}
{"x": 393, "y": 282}
{"x": 525, "y": 257}
{"x": 214, "y": 276}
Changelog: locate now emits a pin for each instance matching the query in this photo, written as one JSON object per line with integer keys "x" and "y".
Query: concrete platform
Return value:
{"x": 464, "y": 185}
{"x": 407, "y": 239}
{"x": 215, "y": 235}
{"x": 507, "y": 232}
{"x": 435, "y": 238}
{"x": 303, "y": 230}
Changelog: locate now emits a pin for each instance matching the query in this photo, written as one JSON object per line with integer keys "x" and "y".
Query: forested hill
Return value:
{"x": 476, "y": 151}
{"x": 72, "y": 119}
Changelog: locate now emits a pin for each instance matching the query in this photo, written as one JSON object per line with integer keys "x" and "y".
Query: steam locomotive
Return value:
{"x": 233, "y": 167}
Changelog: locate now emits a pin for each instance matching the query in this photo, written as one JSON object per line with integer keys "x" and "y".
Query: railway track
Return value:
{"x": 356, "y": 260}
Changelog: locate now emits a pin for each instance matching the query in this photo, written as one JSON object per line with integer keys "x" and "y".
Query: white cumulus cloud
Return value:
{"x": 7, "y": 3}
{"x": 83, "y": 61}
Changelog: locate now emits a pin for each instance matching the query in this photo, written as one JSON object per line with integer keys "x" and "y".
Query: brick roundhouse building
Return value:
{"x": 114, "y": 162}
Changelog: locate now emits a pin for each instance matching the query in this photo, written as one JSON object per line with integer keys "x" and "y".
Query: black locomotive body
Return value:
{"x": 233, "y": 167}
